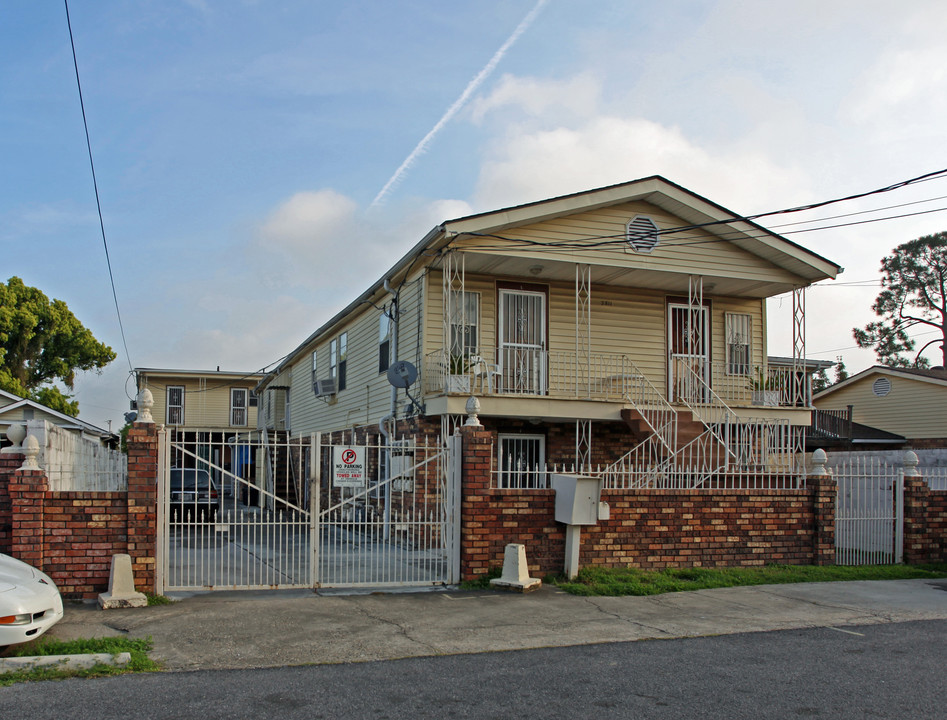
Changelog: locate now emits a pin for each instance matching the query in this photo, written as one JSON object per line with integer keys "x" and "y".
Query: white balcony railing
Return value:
{"x": 605, "y": 376}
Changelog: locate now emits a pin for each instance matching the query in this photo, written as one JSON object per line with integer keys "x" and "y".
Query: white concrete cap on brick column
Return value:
{"x": 15, "y": 434}
{"x": 121, "y": 592}
{"x": 145, "y": 402}
{"x": 515, "y": 571}
{"x": 30, "y": 453}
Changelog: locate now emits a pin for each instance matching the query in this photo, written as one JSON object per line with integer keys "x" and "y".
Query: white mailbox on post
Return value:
{"x": 577, "y": 499}
{"x": 578, "y": 503}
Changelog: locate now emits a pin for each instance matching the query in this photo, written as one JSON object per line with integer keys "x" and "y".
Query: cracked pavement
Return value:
{"x": 231, "y": 630}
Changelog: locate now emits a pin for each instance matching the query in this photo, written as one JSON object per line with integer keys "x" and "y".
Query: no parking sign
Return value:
{"x": 348, "y": 467}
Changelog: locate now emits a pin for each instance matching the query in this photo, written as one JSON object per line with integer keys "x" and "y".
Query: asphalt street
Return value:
{"x": 888, "y": 670}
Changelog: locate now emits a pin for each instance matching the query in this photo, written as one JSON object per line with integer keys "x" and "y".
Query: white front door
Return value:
{"x": 522, "y": 348}
{"x": 688, "y": 353}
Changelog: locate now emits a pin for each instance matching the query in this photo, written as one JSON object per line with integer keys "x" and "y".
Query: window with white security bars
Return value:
{"x": 175, "y": 413}
{"x": 521, "y": 462}
{"x": 238, "y": 407}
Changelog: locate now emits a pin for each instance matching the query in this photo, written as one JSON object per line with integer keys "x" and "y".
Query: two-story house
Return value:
{"x": 622, "y": 330}
{"x": 209, "y": 410}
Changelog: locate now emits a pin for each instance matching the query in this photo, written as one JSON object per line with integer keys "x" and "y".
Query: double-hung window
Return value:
{"x": 175, "y": 397}
{"x": 238, "y": 406}
{"x": 338, "y": 350}
{"x": 738, "y": 343}
{"x": 384, "y": 342}
{"x": 464, "y": 324}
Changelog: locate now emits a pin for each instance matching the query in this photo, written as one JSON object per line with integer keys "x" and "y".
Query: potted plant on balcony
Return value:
{"x": 458, "y": 373}
{"x": 765, "y": 388}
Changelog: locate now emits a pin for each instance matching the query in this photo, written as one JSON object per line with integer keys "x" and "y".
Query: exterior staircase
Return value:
{"x": 688, "y": 428}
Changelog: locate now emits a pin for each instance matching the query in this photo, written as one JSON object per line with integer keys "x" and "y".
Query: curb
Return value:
{"x": 64, "y": 662}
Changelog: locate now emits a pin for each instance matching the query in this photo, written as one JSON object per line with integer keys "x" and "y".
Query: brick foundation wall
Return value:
{"x": 82, "y": 531}
{"x": 937, "y": 525}
{"x": 648, "y": 528}
{"x": 8, "y": 464}
{"x": 925, "y": 523}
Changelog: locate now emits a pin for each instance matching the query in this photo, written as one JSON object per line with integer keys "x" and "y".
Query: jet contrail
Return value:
{"x": 459, "y": 102}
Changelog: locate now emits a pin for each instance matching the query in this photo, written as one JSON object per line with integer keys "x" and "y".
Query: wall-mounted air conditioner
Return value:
{"x": 325, "y": 387}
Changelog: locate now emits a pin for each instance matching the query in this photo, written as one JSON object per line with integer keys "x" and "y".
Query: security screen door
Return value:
{"x": 522, "y": 342}
{"x": 688, "y": 353}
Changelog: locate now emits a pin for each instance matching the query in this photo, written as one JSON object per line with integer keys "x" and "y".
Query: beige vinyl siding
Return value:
{"x": 627, "y": 321}
{"x": 367, "y": 395}
{"x": 691, "y": 251}
{"x": 206, "y": 400}
{"x": 913, "y": 408}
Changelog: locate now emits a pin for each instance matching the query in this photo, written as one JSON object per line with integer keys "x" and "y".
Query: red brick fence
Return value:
{"x": 73, "y": 535}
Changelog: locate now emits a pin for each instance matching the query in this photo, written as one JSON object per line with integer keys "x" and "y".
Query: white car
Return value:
{"x": 29, "y": 602}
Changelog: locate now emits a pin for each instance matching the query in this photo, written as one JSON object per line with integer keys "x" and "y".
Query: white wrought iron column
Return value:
{"x": 800, "y": 378}
{"x": 583, "y": 330}
{"x": 583, "y": 445}
{"x": 694, "y": 337}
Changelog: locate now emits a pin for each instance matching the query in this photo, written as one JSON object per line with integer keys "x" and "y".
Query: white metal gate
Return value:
{"x": 242, "y": 511}
{"x": 869, "y": 514}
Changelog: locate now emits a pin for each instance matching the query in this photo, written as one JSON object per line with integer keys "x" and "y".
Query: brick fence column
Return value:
{"x": 142, "y": 445}
{"x": 475, "y": 499}
{"x": 27, "y": 489}
{"x": 824, "y": 496}
{"x": 917, "y": 542}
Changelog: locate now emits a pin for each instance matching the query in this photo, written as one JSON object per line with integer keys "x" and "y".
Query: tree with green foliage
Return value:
{"x": 820, "y": 379}
{"x": 913, "y": 293}
{"x": 42, "y": 343}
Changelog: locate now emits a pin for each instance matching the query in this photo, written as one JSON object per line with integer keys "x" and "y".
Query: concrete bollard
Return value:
{"x": 121, "y": 592}
{"x": 515, "y": 571}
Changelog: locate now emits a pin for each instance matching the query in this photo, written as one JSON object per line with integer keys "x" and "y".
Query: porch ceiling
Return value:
{"x": 543, "y": 268}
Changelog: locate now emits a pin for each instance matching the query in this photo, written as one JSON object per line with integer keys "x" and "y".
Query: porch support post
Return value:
{"x": 583, "y": 330}
{"x": 454, "y": 270}
{"x": 583, "y": 445}
{"x": 694, "y": 338}
{"x": 798, "y": 386}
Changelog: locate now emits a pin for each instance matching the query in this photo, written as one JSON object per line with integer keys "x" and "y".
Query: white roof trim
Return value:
{"x": 882, "y": 371}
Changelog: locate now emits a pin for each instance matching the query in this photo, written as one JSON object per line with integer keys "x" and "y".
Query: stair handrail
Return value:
{"x": 659, "y": 415}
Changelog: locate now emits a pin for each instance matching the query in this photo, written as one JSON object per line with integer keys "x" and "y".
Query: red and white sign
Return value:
{"x": 348, "y": 467}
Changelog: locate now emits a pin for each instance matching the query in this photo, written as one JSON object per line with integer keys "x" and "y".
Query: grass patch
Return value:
{"x": 482, "y": 582}
{"x": 158, "y": 599}
{"x": 631, "y": 581}
{"x": 138, "y": 648}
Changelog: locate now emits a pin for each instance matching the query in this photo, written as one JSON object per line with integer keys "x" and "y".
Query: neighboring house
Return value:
{"x": 15, "y": 410}
{"x": 903, "y": 402}
{"x": 623, "y": 328}
{"x": 212, "y": 408}
{"x": 75, "y": 454}
{"x": 201, "y": 399}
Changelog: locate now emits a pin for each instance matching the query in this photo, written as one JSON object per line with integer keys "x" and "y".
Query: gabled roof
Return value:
{"x": 223, "y": 374}
{"x": 63, "y": 420}
{"x": 935, "y": 376}
{"x": 656, "y": 190}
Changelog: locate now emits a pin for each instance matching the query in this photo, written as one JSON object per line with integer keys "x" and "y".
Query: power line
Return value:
{"x": 95, "y": 186}
{"x": 619, "y": 239}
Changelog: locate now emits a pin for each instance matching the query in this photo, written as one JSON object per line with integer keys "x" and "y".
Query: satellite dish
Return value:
{"x": 402, "y": 374}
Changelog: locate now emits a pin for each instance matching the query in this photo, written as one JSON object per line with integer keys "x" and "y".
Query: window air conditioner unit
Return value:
{"x": 321, "y": 388}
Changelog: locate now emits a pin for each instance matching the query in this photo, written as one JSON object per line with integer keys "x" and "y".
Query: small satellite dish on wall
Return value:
{"x": 402, "y": 374}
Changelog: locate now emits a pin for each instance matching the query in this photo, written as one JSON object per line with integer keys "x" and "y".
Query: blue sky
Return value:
{"x": 239, "y": 146}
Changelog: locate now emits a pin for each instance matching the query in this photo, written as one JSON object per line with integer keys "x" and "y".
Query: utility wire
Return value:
{"x": 95, "y": 185}
{"x": 618, "y": 239}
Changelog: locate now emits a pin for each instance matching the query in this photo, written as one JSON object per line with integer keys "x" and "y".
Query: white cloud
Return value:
{"x": 532, "y": 164}
{"x": 308, "y": 220}
{"x": 537, "y": 97}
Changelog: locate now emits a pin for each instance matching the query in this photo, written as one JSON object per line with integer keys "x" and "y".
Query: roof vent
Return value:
{"x": 641, "y": 234}
{"x": 881, "y": 387}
